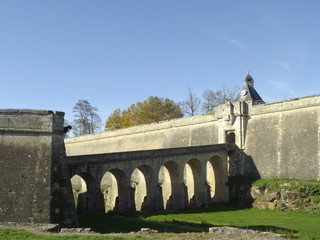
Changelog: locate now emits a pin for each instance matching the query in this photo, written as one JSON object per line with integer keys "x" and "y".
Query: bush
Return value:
{"x": 313, "y": 190}
{"x": 315, "y": 199}
{"x": 301, "y": 188}
{"x": 314, "y": 210}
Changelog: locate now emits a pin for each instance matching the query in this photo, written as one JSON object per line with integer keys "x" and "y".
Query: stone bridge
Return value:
{"x": 153, "y": 179}
{"x": 166, "y": 165}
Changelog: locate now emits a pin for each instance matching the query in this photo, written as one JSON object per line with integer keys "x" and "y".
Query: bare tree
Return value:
{"x": 191, "y": 105}
{"x": 86, "y": 120}
{"x": 214, "y": 98}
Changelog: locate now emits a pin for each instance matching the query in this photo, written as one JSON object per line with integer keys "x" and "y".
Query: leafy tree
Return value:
{"x": 192, "y": 104}
{"x": 86, "y": 120}
{"x": 114, "y": 120}
{"x": 154, "y": 109}
{"x": 214, "y": 98}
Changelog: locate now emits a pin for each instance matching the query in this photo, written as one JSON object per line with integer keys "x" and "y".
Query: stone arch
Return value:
{"x": 89, "y": 201}
{"x": 192, "y": 179}
{"x": 78, "y": 186}
{"x": 215, "y": 176}
{"x": 113, "y": 186}
{"x": 142, "y": 181}
{"x": 169, "y": 181}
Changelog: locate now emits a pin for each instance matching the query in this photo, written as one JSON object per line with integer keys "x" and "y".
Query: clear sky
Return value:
{"x": 115, "y": 53}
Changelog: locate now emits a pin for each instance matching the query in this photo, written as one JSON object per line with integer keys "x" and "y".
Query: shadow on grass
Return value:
{"x": 115, "y": 223}
{"x": 215, "y": 208}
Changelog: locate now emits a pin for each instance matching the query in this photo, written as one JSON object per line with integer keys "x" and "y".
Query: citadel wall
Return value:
{"x": 283, "y": 140}
{"x": 278, "y": 139}
{"x": 191, "y": 131}
{"x": 35, "y": 184}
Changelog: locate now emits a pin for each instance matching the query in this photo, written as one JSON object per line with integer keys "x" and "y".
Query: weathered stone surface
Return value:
{"x": 278, "y": 139}
{"x": 255, "y": 192}
{"x": 231, "y": 232}
{"x": 271, "y": 197}
{"x": 153, "y": 179}
{"x": 75, "y": 230}
{"x": 283, "y": 199}
{"x": 35, "y": 185}
{"x": 148, "y": 230}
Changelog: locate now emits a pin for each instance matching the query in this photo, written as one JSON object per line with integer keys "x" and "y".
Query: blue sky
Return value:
{"x": 115, "y": 53}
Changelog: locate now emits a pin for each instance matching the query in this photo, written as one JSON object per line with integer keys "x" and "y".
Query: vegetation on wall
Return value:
{"x": 281, "y": 194}
{"x": 310, "y": 187}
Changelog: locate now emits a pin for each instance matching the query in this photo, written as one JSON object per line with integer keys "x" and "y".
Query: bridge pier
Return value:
{"x": 90, "y": 202}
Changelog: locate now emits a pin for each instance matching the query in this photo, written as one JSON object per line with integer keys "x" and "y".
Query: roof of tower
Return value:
{"x": 248, "y": 93}
{"x": 249, "y": 78}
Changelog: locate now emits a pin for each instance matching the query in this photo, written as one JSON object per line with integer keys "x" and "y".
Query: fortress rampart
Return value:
{"x": 278, "y": 139}
{"x": 35, "y": 182}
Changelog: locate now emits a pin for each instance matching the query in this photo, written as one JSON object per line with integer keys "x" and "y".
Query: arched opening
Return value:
{"x": 192, "y": 179}
{"x": 79, "y": 186}
{"x": 215, "y": 180}
{"x": 169, "y": 181}
{"x": 142, "y": 181}
{"x": 230, "y": 137}
{"x": 84, "y": 187}
{"x": 113, "y": 185}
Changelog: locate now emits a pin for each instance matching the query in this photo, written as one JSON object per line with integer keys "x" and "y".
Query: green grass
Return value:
{"x": 104, "y": 187}
{"x": 310, "y": 187}
{"x": 11, "y": 234}
{"x": 76, "y": 187}
{"x": 297, "y": 224}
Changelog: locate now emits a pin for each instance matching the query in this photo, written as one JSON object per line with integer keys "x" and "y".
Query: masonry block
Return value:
{"x": 35, "y": 185}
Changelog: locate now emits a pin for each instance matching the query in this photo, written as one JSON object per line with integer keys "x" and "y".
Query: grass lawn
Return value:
{"x": 294, "y": 224}
{"x": 11, "y": 234}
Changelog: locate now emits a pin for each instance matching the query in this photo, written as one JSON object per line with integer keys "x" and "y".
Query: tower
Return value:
{"x": 248, "y": 92}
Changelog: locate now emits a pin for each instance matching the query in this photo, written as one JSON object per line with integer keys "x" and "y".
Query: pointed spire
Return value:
{"x": 248, "y": 93}
{"x": 249, "y": 80}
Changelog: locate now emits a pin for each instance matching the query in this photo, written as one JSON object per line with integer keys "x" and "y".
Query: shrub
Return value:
{"x": 314, "y": 210}
{"x": 301, "y": 188}
{"x": 313, "y": 190}
{"x": 315, "y": 199}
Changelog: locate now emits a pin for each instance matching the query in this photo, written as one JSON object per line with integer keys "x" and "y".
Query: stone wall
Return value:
{"x": 283, "y": 140}
{"x": 35, "y": 184}
{"x": 192, "y": 131}
{"x": 280, "y": 139}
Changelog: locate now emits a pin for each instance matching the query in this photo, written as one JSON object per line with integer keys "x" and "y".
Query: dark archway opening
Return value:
{"x": 231, "y": 137}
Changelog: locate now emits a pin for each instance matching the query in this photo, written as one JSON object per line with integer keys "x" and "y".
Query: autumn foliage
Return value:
{"x": 154, "y": 109}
